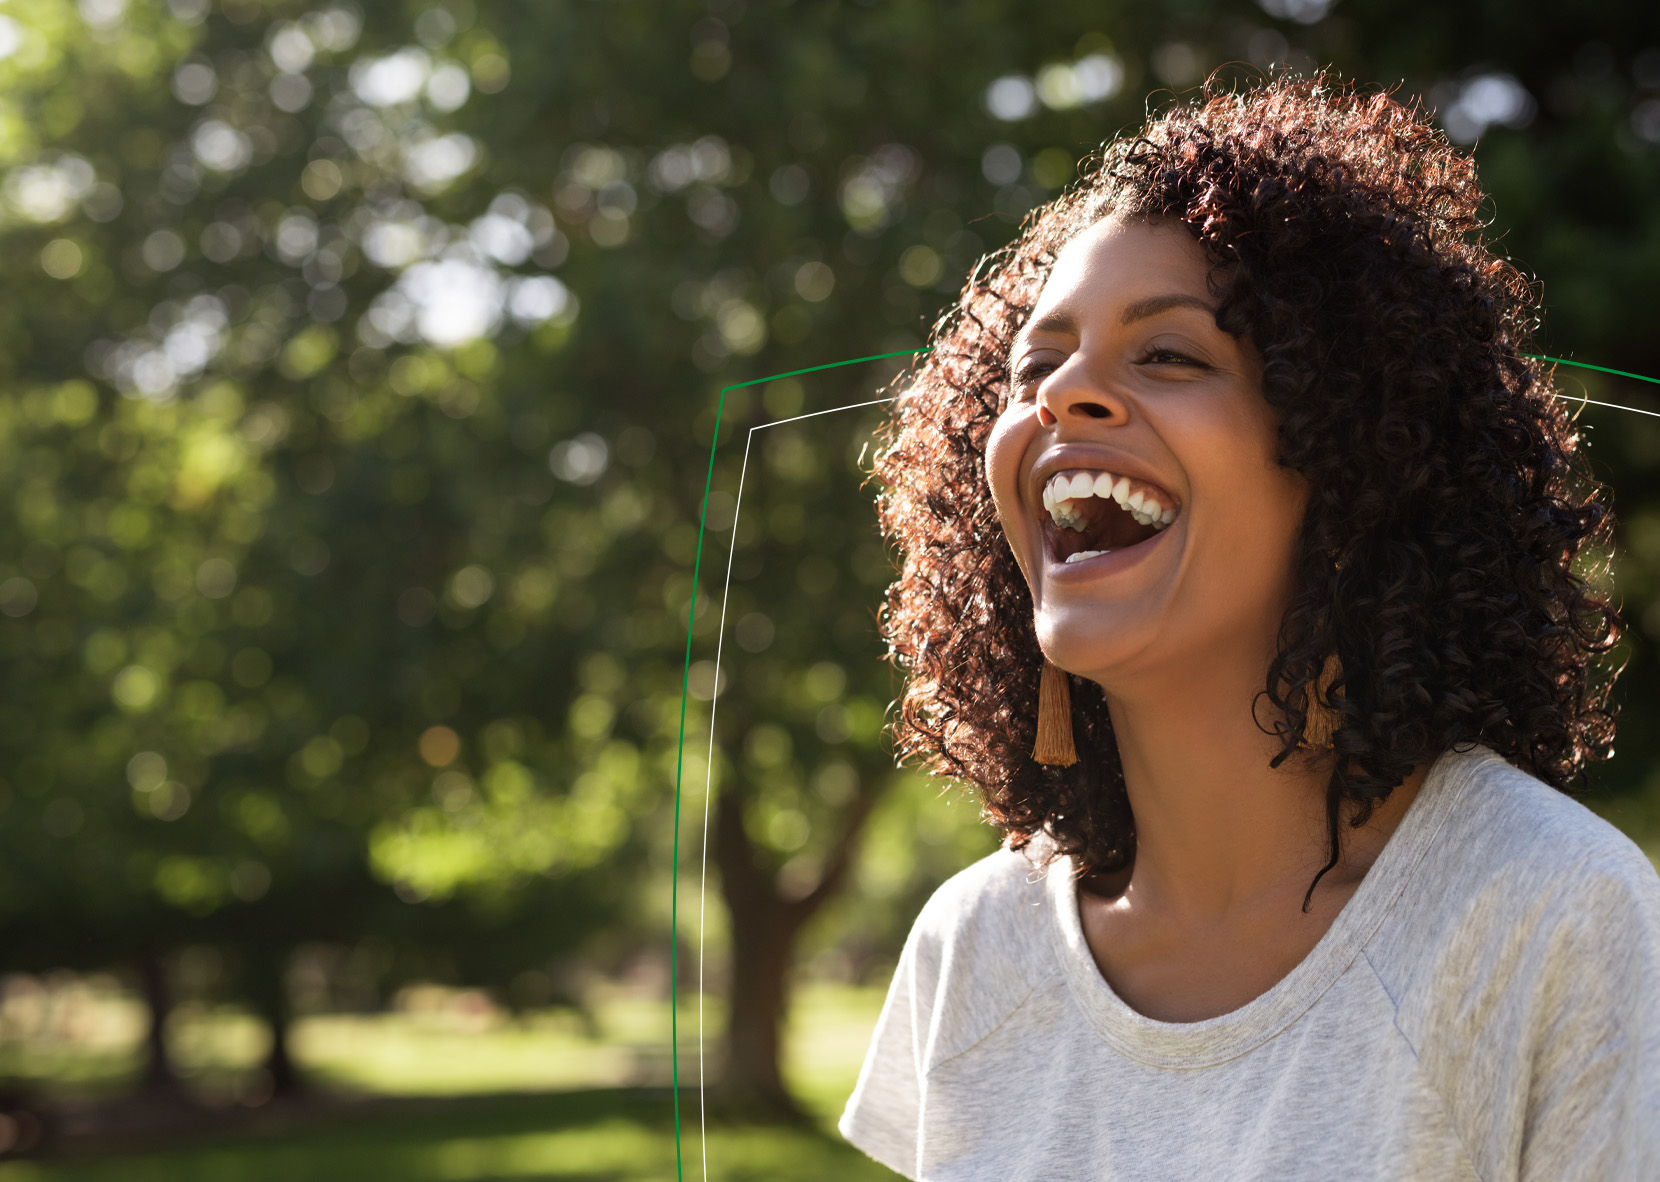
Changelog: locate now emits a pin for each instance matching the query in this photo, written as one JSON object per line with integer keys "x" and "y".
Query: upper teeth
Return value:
{"x": 1063, "y": 489}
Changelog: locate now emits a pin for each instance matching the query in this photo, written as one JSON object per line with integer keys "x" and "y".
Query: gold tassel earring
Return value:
{"x": 1054, "y": 720}
{"x": 1322, "y": 720}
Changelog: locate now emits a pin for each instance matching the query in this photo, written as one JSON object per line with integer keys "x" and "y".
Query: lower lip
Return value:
{"x": 1109, "y": 563}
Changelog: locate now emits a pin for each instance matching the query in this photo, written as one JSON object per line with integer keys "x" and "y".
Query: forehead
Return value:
{"x": 1116, "y": 261}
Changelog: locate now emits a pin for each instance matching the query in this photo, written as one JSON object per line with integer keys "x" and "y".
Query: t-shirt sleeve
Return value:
{"x": 973, "y": 955}
{"x": 884, "y": 1113}
{"x": 1593, "y": 1103}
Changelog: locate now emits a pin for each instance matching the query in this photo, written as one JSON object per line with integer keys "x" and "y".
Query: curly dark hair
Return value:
{"x": 1450, "y": 504}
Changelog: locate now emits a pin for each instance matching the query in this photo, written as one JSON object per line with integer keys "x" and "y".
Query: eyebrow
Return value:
{"x": 1153, "y": 305}
{"x": 1140, "y": 310}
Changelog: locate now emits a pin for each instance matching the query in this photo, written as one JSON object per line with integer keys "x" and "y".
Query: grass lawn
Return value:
{"x": 549, "y": 1101}
{"x": 612, "y": 1135}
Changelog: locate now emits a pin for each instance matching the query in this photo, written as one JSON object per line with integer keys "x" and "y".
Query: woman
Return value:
{"x": 1240, "y": 543}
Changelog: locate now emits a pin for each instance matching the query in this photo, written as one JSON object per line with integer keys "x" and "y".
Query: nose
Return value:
{"x": 1069, "y": 396}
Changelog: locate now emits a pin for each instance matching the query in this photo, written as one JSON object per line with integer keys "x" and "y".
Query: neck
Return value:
{"x": 1218, "y": 832}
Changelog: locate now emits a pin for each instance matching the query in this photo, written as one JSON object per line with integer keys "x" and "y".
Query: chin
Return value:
{"x": 1090, "y": 646}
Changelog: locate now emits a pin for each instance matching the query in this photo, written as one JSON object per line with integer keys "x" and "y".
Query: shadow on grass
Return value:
{"x": 610, "y": 1135}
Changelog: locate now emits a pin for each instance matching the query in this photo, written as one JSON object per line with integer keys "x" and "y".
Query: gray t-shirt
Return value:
{"x": 1486, "y": 1006}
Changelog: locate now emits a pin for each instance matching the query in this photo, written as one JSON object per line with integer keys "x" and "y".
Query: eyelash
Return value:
{"x": 1032, "y": 370}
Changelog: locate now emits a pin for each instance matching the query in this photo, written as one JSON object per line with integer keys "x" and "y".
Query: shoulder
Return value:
{"x": 994, "y": 892}
{"x": 1523, "y": 958}
{"x": 1511, "y": 833}
{"x": 1516, "y": 875}
{"x": 990, "y": 915}
{"x": 980, "y": 946}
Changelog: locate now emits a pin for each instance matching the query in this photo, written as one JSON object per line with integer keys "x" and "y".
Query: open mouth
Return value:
{"x": 1090, "y": 512}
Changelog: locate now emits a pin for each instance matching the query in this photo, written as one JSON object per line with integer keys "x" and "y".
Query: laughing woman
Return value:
{"x": 1243, "y": 549}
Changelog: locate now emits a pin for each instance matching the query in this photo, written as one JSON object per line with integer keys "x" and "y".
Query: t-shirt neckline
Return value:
{"x": 1215, "y": 1040}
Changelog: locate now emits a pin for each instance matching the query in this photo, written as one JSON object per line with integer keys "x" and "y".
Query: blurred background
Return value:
{"x": 360, "y": 364}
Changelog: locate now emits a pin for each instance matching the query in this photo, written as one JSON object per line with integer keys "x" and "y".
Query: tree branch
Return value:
{"x": 835, "y": 868}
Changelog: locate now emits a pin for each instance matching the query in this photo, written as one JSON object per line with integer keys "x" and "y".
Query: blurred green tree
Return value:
{"x": 281, "y": 608}
{"x": 361, "y": 366}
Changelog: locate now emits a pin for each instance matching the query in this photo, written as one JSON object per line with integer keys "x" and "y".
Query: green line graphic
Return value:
{"x": 1600, "y": 368}
{"x": 685, "y": 681}
{"x": 1603, "y": 369}
{"x": 685, "y": 687}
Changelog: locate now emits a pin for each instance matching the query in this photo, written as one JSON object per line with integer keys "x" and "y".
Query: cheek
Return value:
{"x": 1006, "y": 449}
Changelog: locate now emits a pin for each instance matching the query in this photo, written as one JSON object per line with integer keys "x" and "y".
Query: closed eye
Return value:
{"x": 1171, "y": 357}
{"x": 1031, "y": 372}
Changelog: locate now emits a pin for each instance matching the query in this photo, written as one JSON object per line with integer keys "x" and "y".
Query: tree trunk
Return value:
{"x": 285, "y": 1077}
{"x": 268, "y": 987}
{"x": 160, "y": 1080}
{"x": 762, "y": 938}
{"x": 765, "y": 925}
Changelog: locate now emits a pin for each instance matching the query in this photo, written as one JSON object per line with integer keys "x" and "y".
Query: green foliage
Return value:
{"x": 360, "y": 370}
{"x": 254, "y": 566}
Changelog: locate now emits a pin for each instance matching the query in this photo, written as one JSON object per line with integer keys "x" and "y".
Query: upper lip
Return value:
{"x": 1070, "y": 457}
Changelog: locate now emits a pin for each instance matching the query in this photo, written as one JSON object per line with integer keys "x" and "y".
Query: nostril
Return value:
{"x": 1094, "y": 410}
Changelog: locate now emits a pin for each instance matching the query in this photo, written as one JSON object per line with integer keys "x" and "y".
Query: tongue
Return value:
{"x": 1107, "y": 526}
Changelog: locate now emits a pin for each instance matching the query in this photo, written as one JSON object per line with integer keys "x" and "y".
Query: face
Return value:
{"x": 1134, "y": 467}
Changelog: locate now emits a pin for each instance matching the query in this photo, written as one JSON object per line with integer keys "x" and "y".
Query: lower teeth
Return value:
{"x": 1083, "y": 554}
